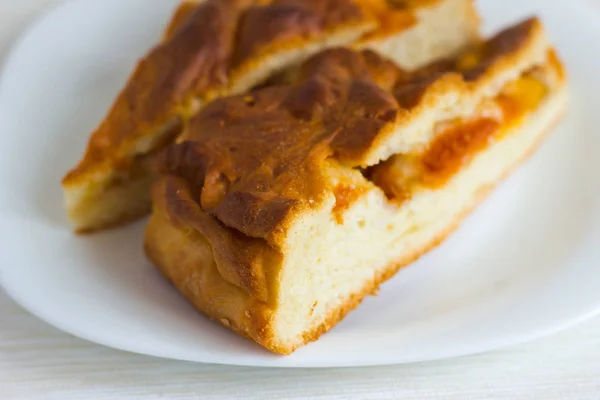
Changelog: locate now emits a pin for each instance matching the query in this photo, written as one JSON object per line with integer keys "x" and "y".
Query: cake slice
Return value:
{"x": 280, "y": 210}
{"x": 214, "y": 48}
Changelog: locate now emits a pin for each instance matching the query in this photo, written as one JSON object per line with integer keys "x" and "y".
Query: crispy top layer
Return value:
{"x": 254, "y": 160}
{"x": 201, "y": 51}
{"x": 209, "y": 46}
{"x": 249, "y": 165}
{"x": 288, "y": 19}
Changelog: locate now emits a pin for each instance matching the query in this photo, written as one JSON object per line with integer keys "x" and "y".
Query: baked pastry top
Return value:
{"x": 221, "y": 47}
{"x": 248, "y": 166}
{"x": 278, "y": 211}
{"x": 264, "y": 152}
{"x": 199, "y": 58}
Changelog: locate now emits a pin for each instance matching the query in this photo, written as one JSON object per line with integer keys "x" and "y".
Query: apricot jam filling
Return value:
{"x": 457, "y": 143}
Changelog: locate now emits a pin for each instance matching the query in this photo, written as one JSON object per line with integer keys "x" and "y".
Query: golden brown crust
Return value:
{"x": 196, "y": 62}
{"x": 241, "y": 260}
{"x": 248, "y": 163}
{"x": 507, "y": 42}
{"x": 129, "y": 134}
{"x": 286, "y": 20}
{"x": 253, "y": 162}
{"x": 492, "y": 54}
{"x": 195, "y": 59}
{"x": 257, "y": 157}
{"x": 202, "y": 53}
{"x": 194, "y": 272}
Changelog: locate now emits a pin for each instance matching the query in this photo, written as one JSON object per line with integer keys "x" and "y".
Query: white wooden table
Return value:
{"x": 40, "y": 362}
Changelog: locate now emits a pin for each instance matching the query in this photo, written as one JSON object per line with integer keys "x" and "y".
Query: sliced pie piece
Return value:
{"x": 214, "y": 48}
{"x": 279, "y": 211}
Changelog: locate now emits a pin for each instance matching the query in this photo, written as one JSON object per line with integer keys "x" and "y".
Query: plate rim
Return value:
{"x": 16, "y": 46}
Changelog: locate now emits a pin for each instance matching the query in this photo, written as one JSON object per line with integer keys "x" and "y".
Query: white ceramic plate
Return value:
{"x": 525, "y": 264}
